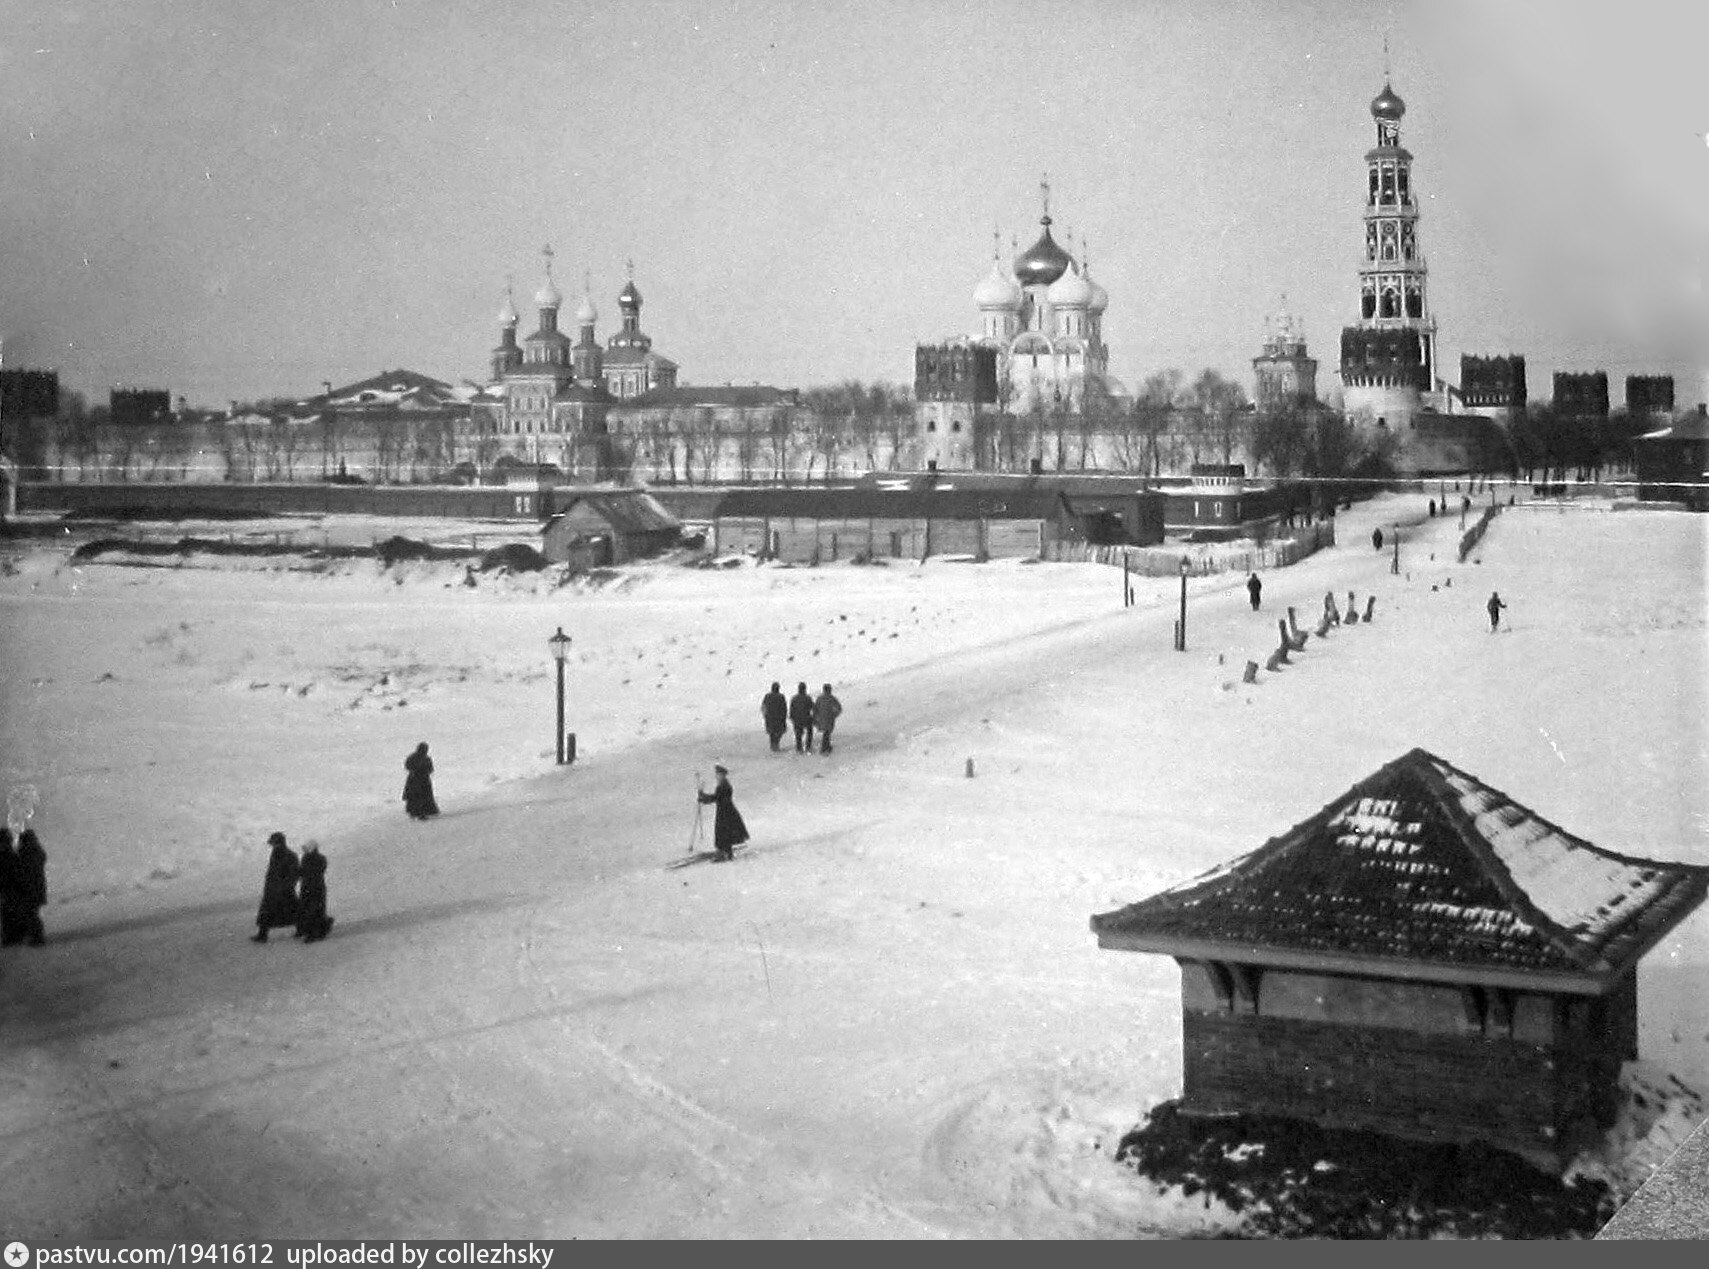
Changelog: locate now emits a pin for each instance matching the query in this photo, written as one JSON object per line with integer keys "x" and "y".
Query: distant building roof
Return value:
{"x": 1420, "y": 871}
{"x": 1692, "y": 426}
{"x": 692, "y": 395}
{"x": 402, "y": 388}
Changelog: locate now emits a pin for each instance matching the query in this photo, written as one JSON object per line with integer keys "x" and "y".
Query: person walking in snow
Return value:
{"x": 826, "y": 710}
{"x": 278, "y": 890}
{"x": 1494, "y": 608}
{"x": 418, "y": 785}
{"x": 1254, "y": 588}
{"x": 31, "y": 887}
{"x": 313, "y": 924}
{"x": 801, "y": 715}
{"x": 11, "y": 892}
{"x": 775, "y": 710}
{"x": 1377, "y": 538}
{"x": 728, "y": 830}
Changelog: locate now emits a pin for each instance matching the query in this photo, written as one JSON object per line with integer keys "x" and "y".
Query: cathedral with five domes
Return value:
{"x": 1039, "y": 351}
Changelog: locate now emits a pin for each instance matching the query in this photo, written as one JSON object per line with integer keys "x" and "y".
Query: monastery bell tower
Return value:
{"x": 1388, "y": 360}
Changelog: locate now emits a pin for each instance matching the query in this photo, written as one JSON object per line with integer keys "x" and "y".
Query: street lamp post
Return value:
{"x": 560, "y": 645}
{"x": 1395, "y": 567}
{"x": 1181, "y": 625}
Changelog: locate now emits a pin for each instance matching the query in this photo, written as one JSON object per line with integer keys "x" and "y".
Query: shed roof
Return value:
{"x": 1421, "y": 871}
{"x": 850, "y": 503}
{"x": 625, "y": 510}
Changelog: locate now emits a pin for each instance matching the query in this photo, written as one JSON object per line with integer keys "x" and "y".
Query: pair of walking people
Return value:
{"x": 293, "y": 893}
{"x": 805, "y": 713}
{"x": 23, "y": 888}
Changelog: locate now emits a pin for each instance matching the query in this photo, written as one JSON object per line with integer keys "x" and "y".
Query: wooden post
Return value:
{"x": 1370, "y": 603}
{"x": 1251, "y": 675}
{"x": 970, "y": 768}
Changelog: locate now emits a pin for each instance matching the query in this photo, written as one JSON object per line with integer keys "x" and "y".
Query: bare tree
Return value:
{"x": 1215, "y": 403}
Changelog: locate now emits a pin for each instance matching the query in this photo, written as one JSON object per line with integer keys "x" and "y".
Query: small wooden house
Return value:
{"x": 607, "y": 526}
{"x": 1673, "y": 462}
{"x": 1423, "y": 957}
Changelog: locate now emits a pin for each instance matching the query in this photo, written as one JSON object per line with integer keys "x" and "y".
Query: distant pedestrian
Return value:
{"x": 1494, "y": 608}
{"x": 1254, "y": 588}
{"x": 826, "y": 711}
{"x": 775, "y": 710}
{"x": 32, "y": 886}
{"x": 313, "y": 924}
{"x": 728, "y": 830}
{"x": 418, "y": 785}
{"x": 278, "y": 890}
{"x": 11, "y": 893}
{"x": 801, "y": 715}
{"x": 1433, "y": 508}
{"x": 1377, "y": 538}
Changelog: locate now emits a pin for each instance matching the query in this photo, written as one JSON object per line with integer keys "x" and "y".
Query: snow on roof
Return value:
{"x": 1420, "y": 870}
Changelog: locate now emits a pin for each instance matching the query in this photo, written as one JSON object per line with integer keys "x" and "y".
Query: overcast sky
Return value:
{"x": 240, "y": 198}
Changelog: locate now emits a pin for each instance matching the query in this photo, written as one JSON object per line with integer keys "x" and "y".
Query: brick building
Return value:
{"x": 1423, "y": 957}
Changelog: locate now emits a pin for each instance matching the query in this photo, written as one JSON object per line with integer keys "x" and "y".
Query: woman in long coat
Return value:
{"x": 728, "y": 830}
{"x": 418, "y": 785}
{"x": 11, "y": 908}
{"x": 313, "y": 923}
{"x": 278, "y": 891}
{"x": 31, "y": 886}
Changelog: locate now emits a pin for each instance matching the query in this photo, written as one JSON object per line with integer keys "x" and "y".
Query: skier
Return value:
{"x": 775, "y": 710}
{"x": 728, "y": 830}
{"x": 418, "y": 785}
{"x": 11, "y": 888}
{"x": 1254, "y": 588}
{"x": 278, "y": 891}
{"x": 31, "y": 887}
{"x": 313, "y": 924}
{"x": 825, "y": 712}
{"x": 1494, "y": 607}
{"x": 801, "y": 714}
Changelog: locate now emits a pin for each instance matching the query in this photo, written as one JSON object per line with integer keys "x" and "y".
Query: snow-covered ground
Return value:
{"x": 889, "y": 1018}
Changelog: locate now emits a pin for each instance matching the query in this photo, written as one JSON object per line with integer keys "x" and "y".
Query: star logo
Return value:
{"x": 17, "y": 1255}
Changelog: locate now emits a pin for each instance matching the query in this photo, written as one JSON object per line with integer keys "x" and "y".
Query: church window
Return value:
{"x": 1391, "y": 303}
{"x": 1373, "y": 197}
{"x": 1368, "y": 305}
{"x": 1388, "y": 184}
{"x": 1414, "y": 304}
{"x": 1403, "y": 184}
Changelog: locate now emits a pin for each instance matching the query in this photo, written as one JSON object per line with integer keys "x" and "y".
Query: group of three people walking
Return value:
{"x": 805, "y": 713}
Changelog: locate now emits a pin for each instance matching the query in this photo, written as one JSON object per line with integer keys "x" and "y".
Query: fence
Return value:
{"x": 1205, "y": 559}
{"x": 1473, "y": 535}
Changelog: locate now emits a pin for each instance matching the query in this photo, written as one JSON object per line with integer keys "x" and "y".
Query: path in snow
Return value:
{"x": 891, "y": 1021}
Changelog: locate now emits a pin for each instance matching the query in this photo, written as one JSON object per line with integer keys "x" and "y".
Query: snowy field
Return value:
{"x": 888, "y": 1018}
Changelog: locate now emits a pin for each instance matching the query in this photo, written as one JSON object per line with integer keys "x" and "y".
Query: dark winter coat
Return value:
{"x": 801, "y": 709}
{"x": 776, "y": 712}
{"x": 11, "y": 905}
{"x": 311, "y": 894}
{"x": 826, "y": 710}
{"x": 1254, "y": 588}
{"x": 32, "y": 870}
{"x": 728, "y": 830}
{"x": 418, "y": 785}
{"x": 279, "y": 890}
